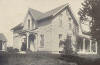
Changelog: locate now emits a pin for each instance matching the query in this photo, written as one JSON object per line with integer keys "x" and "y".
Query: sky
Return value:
{"x": 13, "y": 12}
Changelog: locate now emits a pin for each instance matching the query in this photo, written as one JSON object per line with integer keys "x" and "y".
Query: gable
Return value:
{"x": 63, "y": 19}
{"x": 53, "y": 13}
{"x": 28, "y": 22}
{"x": 35, "y": 14}
{"x": 68, "y": 13}
{"x": 39, "y": 16}
{"x": 63, "y": 23}
{"x": 19, "y": 26}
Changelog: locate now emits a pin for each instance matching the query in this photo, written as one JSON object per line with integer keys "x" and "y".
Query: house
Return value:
{"x": 3, "y": 42}
{"x": 44, "y": 31}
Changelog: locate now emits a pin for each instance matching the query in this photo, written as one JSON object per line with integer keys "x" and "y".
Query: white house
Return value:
{"x": 43, "y": 31}
{"x": 3, "y": 42}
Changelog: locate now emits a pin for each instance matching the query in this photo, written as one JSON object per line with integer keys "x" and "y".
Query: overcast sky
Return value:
{"x": 12, "y": 12}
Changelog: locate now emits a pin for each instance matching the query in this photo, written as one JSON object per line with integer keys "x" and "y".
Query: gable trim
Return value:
{"x": 73, "y": 17}
{"x": 60, "y": 10}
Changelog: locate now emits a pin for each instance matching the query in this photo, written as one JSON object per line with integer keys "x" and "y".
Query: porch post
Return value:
{"x": 5, "y": 46}
{"x": 2, "y": 45}
{"x": 27, "y": 37}
{"x": 90, "y": 46}
{"x": 83, "y": 44}
{"x": 96, "y": 47}
{"x": 36, "y": 42}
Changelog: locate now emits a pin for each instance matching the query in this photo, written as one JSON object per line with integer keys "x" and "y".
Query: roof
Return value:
{"x": 19, "y": 26}
{"x": 85, "y": 36}
{"x": 52, "y": 12}
{"x": 37, "y": 15}
{"x": 72, "y": 15}
{"x": 2, "y": 37}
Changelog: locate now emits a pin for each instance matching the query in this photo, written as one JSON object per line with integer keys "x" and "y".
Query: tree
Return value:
{"x": 90, "y": 13}
{"x": 67, "y": 49}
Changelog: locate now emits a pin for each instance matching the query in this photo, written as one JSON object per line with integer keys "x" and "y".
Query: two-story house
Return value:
{"x": 43, "y": 31}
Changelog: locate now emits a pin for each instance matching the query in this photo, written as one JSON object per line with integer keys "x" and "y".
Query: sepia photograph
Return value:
{"x": 49, "y": 32}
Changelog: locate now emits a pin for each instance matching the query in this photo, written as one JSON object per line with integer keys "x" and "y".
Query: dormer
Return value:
{"x": 31, "y": 19}
{"x": 29, "y": 22}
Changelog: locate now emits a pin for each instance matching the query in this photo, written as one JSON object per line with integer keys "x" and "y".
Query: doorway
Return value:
{"x": 31, "y": 44}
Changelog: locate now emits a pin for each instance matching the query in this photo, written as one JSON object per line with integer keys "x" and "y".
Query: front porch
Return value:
{"x": 28, "y": 41}
{"x": 87, "y": 46}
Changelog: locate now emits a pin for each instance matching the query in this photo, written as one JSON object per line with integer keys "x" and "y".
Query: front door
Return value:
{"x": 31, "y": 45}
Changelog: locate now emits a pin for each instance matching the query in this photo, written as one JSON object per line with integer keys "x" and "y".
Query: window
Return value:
{"x": 60, "y": 36}
{"x": 70, "y": 23}
{"x": 42, "y": 41}
{"x": 70, "y": 26}
{"x": 60, "y": 20}
{"x": 28, "y": 23}
{"x": 70, "y": 18}
{"x": 61, "y": 44}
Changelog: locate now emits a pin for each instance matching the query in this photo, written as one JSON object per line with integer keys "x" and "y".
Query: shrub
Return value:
{"x": 12, "y": 50}
{"x": 68, "y": 50}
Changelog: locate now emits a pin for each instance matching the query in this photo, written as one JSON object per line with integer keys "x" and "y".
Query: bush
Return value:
{"x": 23, "y": 47}
{"x": 68, "y": 50}
{"x": 12, "y": 50}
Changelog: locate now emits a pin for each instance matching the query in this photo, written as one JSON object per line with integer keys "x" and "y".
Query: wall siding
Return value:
{"x": 17, "y": 41}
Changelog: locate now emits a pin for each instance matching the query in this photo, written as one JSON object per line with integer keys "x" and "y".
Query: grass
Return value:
{"x": 47, "y": 59}
{"x": 82, "y": 59}
{"x": 32, "y": 59}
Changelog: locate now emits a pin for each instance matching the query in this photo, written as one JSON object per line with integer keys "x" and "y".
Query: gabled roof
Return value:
{"x": 52, "y": 12}
{"x": 2, "y": 37}
{"x": 38, "y": 16}
{"x": 72, "y": 15}
{"x": 35, "y": 14}
{"x": 19, "y": 26}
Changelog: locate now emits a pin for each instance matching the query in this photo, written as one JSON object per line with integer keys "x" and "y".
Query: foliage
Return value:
{"x": 90, "y": 13}
{"x": 68, "y": 46}
{"x": 12, "y": 50}
{"x": 23, "y": 47}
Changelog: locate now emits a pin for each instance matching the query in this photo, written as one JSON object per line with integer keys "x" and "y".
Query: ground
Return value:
{"x": 48, "y": 59}
{"x": 83, "y": 59}
{"x": 32, "y": 59}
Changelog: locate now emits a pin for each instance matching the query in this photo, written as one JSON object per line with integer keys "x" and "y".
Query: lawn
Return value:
{"x": 32, "y": 59}
{"x": 82, "y": 59}
{"x": 48, "y": 59}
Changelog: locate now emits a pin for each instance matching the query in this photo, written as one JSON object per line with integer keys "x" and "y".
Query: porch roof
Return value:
{"x": 2, "y": 37}
{"x": 85, "y": 36}
{"x": 19, "y": 26}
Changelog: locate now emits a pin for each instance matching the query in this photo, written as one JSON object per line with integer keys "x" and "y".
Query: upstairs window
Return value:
{"x": 60, "y": 36}
{"x": 42, "y": 41}
{"x": 60, "y": 19}
{"x": 28, "y": 23}
{"x": 61, "y": 43}
{"x": 70, "y": 18}
{"x": 70, "y": 26}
